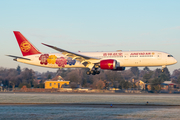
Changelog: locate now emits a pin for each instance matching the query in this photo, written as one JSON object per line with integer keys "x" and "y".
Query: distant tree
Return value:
{"x": 58, "y": 72}
{"x": 29, "y": 85}
{"x": 46, "y": 75}
{"x": 73, "y": 76}
{"x": 142, "y": 73}
{"x": 113, "y": 76}
{"x": 127, "y": 74}
{"x": 157, "y": 73}
{"x": 41, "y": 85}
{"x": 73, "y": 85}
{"x": 63, "y": 72}
{"x": 178, "y": 79}
{"x": 1, "y": 79}
{"x": 11, "y": 75}
{"x": 147, "y": 76}
{"x": 20, "y": 85}
{"x": 49, "y": 76}
{"x": 18, "y": 70}
{"x": 12, "y": 83}
{"x": 85, "y": 78}
{"x": 176, "y": 73}
{"x": 125, "y": 84}
{"x": 135, "y": 71}
{"x": 106, "y": 84}
{"x": 166, "y": 71}
{"x": 100, "y": 84}
{"x": 156, "y": 85}
{"x": 163, "y": 77}
{"x": 115, "y": 84}
{"x": 134, "y": 85}
{"x": 27, "y": 76}
{"x": 146, "y": 69}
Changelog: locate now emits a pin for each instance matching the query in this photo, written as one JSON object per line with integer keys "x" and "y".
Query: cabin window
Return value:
{"x": 49, "y": 84}
{"x": 170, "y": 56}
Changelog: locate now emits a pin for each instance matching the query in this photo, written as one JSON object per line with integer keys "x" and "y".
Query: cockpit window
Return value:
{"x": 170, "y": 56}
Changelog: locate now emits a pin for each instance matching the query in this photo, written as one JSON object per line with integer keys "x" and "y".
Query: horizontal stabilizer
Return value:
{"x": 18, "y": 57}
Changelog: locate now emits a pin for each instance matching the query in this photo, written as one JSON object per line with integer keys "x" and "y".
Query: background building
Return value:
{"x": 55, "y": 83}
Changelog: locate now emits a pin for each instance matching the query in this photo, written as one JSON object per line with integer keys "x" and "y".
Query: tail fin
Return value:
{"x": 25, "y": 46}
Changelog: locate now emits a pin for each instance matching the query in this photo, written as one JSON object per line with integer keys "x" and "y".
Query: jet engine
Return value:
{"x": 110, "y": 64}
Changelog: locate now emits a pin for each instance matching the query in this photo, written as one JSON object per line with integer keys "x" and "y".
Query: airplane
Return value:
{"x": 116, "y": 61}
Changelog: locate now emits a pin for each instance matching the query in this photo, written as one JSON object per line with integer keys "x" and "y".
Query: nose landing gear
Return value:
{"x": 163, "y": 68}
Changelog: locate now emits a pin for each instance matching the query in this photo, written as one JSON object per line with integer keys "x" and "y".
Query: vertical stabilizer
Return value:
{"x": 25, "y": 46}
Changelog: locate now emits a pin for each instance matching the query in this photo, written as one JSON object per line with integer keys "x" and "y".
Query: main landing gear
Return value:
{"x": 93, "y": 72}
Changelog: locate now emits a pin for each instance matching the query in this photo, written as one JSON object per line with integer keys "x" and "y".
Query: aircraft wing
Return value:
{"x": 82, "y": 58}
{"x": 18, "y": 57}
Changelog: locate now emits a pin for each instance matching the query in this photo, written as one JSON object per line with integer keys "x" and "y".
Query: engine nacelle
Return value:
{"x": 108, "y": 64}
{"x": 119, "y": 69}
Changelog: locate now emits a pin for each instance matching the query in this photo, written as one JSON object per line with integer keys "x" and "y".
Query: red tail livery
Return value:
{"x": 25, "y": 46}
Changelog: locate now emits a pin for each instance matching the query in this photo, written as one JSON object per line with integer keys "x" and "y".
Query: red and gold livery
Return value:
{"x": 25, "y": 46}
{"x": 95, "y": 61}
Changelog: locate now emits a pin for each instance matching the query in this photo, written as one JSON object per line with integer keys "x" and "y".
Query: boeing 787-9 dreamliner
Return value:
{"x": 95, "y": 61}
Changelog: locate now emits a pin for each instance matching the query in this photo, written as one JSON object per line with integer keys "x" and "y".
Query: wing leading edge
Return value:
{"x": 85, "y": 60}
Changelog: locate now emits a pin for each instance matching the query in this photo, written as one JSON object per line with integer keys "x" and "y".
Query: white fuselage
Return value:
{"x": 123, "y": 58}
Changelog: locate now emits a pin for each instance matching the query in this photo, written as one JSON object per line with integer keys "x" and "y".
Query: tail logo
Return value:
{"x": 25, "y": 46}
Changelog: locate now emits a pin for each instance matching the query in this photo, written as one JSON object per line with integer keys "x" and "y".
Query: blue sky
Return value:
{"x": 90, "y": 25}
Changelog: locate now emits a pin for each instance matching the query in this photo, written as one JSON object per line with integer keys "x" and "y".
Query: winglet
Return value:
{"x": 46, "y": 45}
{"x": 25, "y": 46}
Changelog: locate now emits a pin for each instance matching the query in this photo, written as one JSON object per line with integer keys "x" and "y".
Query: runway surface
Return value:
{"x": 37, "y": 106}
{"x": 92, "y": 105}
{"x": 88, "y": 112}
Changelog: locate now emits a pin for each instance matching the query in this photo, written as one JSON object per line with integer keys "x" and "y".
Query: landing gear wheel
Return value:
{"x": 97, "y": 72}
{"x": 88, "y": 72}
{"x": 93, "y": 72}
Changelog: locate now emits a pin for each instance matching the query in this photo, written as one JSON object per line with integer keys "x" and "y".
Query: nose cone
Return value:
{"x": 171, "y": 61}
{"x": 175, "y": 61}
